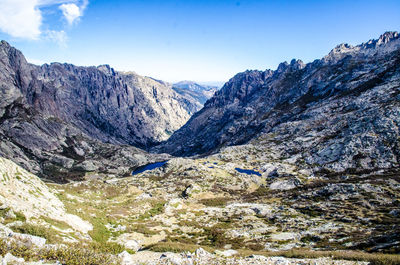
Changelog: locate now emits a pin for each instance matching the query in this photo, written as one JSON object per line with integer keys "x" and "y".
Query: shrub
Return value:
{"x": 214, "y": 202}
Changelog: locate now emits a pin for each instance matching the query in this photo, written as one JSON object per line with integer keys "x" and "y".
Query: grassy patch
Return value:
{"x": 261, "y": 191}
{"x": 143, "y": 229}
{"x": 373, "y": 258}
{"x": 214, "y": 202}
{"x": 59, "y": 224}
{"x": 69, "y": 255}
{"x": 175, "y": 247}
{"x": 18, "y": 216}
{"x": 106, "y": 247}
{"x": 100, "y": 233}
{"x": 157, "y": 208}
{"x": 37, "y": 230}
{"x": 215, "y": 237}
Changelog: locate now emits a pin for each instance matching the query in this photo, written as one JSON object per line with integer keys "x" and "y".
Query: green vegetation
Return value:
{"x": 141, "y": 228}
{"x": 261, "y": 191}
{"x": 214, "y": 202}
{"x": 175, "y": 247}
{"x": 73, "y": 254}
{"x": 7, "y": 219}
{"x": 37, "y": 230}
{"x": 215, "y": 237}
{"x": 100, "y": 233}
{"x": 373, "y": 258}
{"x": 157, "y": 208}
{"x": 56, "y": 223}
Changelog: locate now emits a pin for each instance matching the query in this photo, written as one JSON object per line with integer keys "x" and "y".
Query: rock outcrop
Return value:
{"x": 25, "y": 193}
{"x": 61, "y": 120}
{"x": 339, "y": 112}
{"x": 115, "y": 107}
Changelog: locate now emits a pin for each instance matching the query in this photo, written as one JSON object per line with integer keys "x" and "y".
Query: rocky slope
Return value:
{"x": 205, "y": 211}
{"x": 196, "y": 93}
{"x": 339, "y": 112}
{"x": 107, "y": 105}
{"x": 61, "y": 120}
{"x": 25, "y": 198}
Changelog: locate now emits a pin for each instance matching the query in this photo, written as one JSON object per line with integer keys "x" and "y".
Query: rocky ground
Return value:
{"x": 206, "y": 201}
{"x": 195, "y": 203}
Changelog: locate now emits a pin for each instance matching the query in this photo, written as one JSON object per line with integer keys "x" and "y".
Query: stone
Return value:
{"x": 191, "y": 190}
{"x": 284, "y": 236}
{"x": 9, "y": 258}
{"x": 132, "y": 245}
{"x": 226, "y": 253}
{"x": 126, "y": 258}
{"x": 284, "y": 185}
{"x": 30, "y": 240}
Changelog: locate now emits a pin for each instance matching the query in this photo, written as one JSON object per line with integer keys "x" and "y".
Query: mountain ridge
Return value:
{"x": 255, "y": 102}
{"x": 54, "y": 117}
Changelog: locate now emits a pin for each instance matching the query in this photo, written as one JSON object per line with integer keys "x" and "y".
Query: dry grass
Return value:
{"x": 374, "y": 258}
{"x": 176, "y": 247}
{"x": 69, "y": 255}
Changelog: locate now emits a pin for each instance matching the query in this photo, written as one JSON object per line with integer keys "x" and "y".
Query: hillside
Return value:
{"x": 339, "y": 112}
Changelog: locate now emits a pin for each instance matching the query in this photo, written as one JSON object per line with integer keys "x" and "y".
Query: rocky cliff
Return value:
{"x": 107, "y": 105}
{"x": 56, "y": 117}
{"x": 341, "y": 111}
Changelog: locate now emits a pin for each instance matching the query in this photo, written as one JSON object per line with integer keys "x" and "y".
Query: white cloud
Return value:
{"x": 23, "y": 18}
{"x": 72, "y": 12}
{"x": 59, "y": 37}
{"x": 20, "y": 18}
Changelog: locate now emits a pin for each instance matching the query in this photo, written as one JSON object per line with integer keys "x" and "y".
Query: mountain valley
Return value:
{"x": 298, "y": 165}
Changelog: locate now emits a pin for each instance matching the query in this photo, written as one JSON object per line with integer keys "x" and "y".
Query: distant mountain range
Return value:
{"x": 195, "y": 92}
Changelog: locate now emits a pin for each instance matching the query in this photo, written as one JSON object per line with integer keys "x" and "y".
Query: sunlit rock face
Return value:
{"x": 340, "y": 112}
{"x": 55, "y": 117}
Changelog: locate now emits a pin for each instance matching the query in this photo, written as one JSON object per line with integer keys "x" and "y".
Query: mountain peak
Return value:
{"x": 386, "y": 43}
{"x": 107, "y": 69}
{"x": 4, "y": 43}
{"x": 297, "y": 64}
{"x": 388, "y": 36}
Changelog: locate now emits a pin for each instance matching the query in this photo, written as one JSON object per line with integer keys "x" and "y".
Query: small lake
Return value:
{"x": 248, "y": 171}
{"x": 148, "y": 167}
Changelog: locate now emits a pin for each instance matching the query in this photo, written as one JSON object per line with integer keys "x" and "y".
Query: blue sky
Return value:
{"x": 189, "y": 40}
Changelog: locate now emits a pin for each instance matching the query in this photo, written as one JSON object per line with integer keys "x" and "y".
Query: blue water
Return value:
{"x": 148, "y": 167}
{"x": 248, "y": 171}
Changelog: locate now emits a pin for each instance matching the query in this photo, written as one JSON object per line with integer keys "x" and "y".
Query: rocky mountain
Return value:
{"x": 304, "y": 166}
{"x": 201, "y": 92}
{"x": 60, "y": 120}
{"x": 340, "y": 112}
{"x": 195, "y": 93}
{"x": 107, "y": 105}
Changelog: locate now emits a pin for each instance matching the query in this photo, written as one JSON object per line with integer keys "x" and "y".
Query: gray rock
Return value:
{"x": 191, "y": 190}
{"x": 56, "y": 119}
{"x": 133, "y": 245}
{"x": 126, "y": 258}
{"x": 284, "y": 184}
{"x": 339, "y": 112}
{"x": 29, "y": 240}
{"x": 11, "y": 259}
